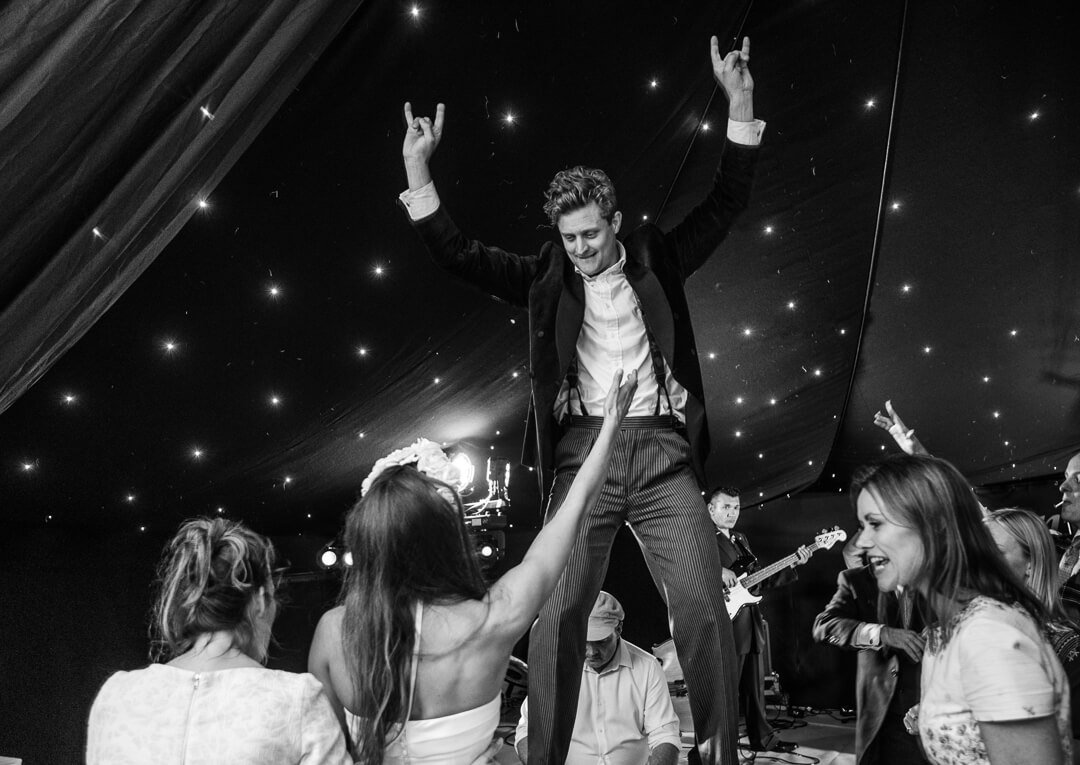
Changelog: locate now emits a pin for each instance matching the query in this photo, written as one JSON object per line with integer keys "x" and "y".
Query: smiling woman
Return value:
{"x": 993, "y": 691}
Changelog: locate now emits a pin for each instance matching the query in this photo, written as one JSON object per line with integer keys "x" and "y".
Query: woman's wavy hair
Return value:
{"x": 931, "y": 497}
{"x": 409, "y": 545}
{"x": 575, "y": 188}
{"x": 211, "y": 577}
{"x": 1030, "y": 532}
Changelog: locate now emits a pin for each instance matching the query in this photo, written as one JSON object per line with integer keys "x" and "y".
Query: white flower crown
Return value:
{"x": 429, "y": 459}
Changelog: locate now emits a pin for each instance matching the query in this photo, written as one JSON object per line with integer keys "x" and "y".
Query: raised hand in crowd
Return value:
{"x": 901, "y": 433}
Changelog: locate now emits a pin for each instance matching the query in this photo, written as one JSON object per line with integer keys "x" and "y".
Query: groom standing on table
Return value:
{"x": 596, "y": 305}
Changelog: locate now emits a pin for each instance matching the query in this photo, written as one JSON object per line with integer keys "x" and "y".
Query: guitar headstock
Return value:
{"x": 826, "y": 539}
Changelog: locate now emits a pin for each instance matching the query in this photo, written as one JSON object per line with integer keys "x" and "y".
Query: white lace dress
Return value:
{"x": 243, "y": 716}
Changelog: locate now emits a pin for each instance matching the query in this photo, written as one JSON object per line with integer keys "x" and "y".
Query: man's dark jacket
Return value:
{"x": 855, "y": 603}
{"x": 657, "y": 266}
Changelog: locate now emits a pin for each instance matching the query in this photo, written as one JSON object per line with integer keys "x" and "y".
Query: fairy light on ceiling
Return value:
{"x": 765, "y": 328}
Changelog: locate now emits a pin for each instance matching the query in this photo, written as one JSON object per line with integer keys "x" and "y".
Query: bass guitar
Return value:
{"x": 738, "y": 595}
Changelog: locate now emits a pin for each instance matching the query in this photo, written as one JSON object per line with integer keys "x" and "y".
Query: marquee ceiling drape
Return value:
{"x": 293, "y": 330}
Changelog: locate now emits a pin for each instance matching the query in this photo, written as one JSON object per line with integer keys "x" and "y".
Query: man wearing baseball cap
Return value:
{"x": 624, "y": 712}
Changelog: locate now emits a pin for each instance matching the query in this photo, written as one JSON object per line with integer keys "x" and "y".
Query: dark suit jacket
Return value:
{"x": 856, "y": 603}
{"x": 657, "y": 266}
{"x": 747, "y": 624}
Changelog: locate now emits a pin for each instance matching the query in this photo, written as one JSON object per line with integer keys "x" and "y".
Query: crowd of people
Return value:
{"x": 964, "y": 620}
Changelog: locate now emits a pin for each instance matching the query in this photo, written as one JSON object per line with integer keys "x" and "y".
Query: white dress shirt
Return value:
{"x": 623, "y": 712}
{"x": 613, "y": 331}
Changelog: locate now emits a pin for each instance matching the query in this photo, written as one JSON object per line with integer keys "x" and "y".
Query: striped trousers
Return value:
{"x": 651, "y": 486}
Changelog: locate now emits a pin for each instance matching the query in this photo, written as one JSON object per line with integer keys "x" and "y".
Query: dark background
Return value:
{"x": 948, "y": 185}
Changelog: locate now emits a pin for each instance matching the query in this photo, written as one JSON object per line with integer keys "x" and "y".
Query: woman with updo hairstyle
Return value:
{"x": 207, "y": 698}
{"x": 414, "y": 658}
{"x": 993, "y": 691}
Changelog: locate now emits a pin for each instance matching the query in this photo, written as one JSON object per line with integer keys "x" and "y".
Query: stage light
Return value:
{"x": 465, "y": 469}
{"x": 490, "y": 546}
{"x": 334, "y": 555}
{"x": 328, "y": 557}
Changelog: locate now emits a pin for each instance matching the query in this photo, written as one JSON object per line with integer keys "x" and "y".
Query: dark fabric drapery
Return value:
{"x": 116, "y": 120}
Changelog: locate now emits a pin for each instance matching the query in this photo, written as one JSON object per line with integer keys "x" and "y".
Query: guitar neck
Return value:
{"x": 773, "y": 568}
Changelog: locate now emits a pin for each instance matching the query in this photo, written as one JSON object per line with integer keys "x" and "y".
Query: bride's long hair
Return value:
{"x": 409, "y": 544}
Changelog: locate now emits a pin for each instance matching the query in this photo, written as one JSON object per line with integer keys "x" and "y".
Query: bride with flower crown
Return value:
{"x": 414, "y": 659}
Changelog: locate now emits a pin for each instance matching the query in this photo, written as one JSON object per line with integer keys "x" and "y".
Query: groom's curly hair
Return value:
{"x": 575, "y": 188}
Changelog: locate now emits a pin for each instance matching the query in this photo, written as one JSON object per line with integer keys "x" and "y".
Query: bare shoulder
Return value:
{"x": 328, "y": 630}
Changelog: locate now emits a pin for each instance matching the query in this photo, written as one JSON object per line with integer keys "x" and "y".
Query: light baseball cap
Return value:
{"x": 606, "y": 615}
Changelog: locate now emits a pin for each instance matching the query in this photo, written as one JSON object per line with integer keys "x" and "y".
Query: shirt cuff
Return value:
{"x": 424, "y": 201}
{"x": 665, "y": 734}
{"x": 746, "y": 133}
{"x": 867, "y": 636}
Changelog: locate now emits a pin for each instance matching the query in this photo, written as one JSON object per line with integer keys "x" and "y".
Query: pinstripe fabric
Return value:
{"x": 650, "y": 485}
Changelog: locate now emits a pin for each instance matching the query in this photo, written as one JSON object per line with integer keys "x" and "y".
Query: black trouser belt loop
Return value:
{"x": 628, "y": 423}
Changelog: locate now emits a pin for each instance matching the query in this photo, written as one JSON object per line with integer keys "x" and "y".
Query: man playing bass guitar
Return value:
{"x": 748, "y": 624}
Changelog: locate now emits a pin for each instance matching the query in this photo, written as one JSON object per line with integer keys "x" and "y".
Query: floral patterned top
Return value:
{"x": 996, "y": 666}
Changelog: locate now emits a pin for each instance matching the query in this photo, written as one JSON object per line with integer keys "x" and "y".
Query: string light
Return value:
{"x": 791, "y": 305}
{"x": 738, "y": 434}
{"x": 97, "y": 233}
{"x": 843, "y": 331}
{"x": 514, "y": 375}
{"x": 509, "y": 118}
{"x": 220, "y": 510}
{"x": 206, "y": 113}
{"x": 287, "y": 481}
{"x": 747, "y": 332}
{"x": 379, "y": 270}
{"x": 895, "y": 206}
{"x": 926, "y": 349}
{"x": 28, "y": 467}
{"x": 273, "y": 291}
{"x": 197, "y": 453}
{"x": 997, "y": 415}
{"x": 129, "y": 498}
{"x": 69, "y": 398}
{"x": 415, "y": 11}
{"x": 906, "y": 288}
{"x": 738, "y": 399}
{"x": 1012, "y": 332}
{"x": 712, "y": 354}
{"x": 437, "y": 380}
{"x": 870, "y": 103}
{"x": 361, "y": 434}
{"x": 1034, "y": 115}
{"x": 275, "y": 400}
{"x": 772, "y": 402}
{"x": 704, "y": 127}
{"x": 654, "y": 83}
{"x": 986, "y": 379}
{"x": 644, "y": 217}
{"x": 203, "y": 204}
{"x": 170, "y": 346}
{"x": 817, "y": 373}
{"x": 768, "y": 229}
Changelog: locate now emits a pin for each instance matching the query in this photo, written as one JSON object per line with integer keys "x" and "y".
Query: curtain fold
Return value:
{"x": 116, "y": 120}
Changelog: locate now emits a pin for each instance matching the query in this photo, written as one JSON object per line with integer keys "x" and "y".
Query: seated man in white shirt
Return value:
{"x": 624, "y": 712}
